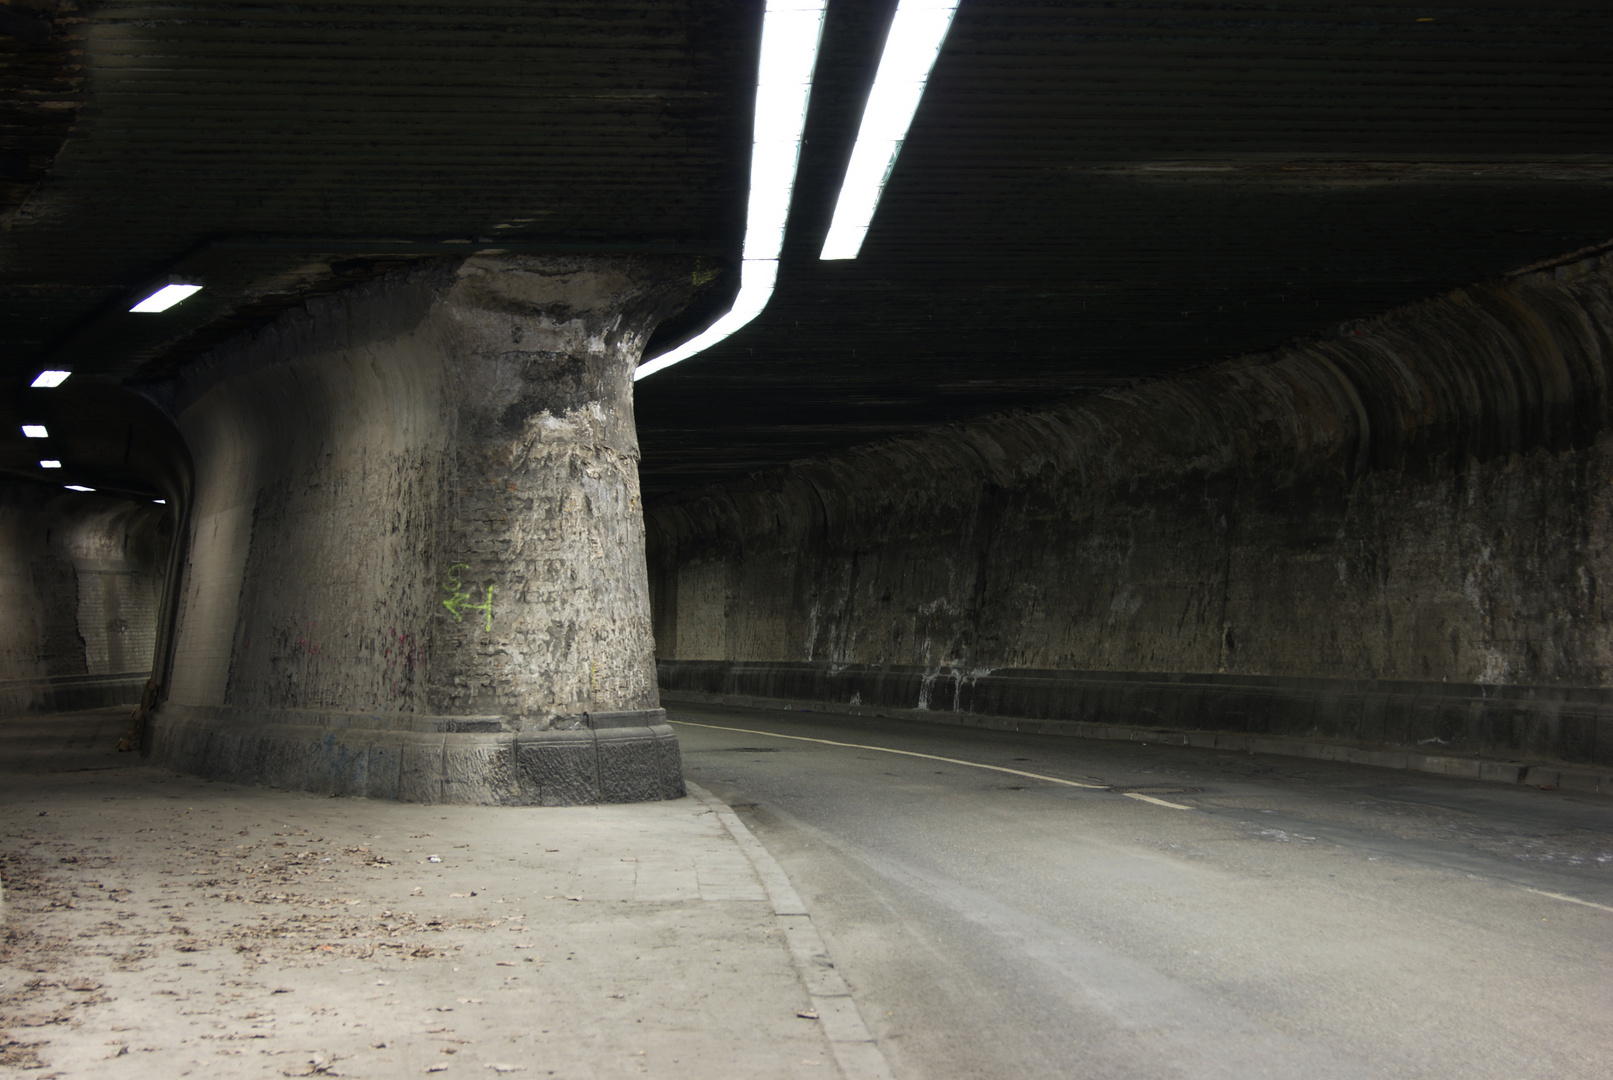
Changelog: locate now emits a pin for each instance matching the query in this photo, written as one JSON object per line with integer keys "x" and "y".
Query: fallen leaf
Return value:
{"x": 439, "y": 1067}
{"x": 505, "y": 963}
{"x": 808, "y": 1014}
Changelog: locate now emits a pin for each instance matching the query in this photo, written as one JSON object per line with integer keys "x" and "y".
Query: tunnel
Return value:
{"x": 923, "y": 511}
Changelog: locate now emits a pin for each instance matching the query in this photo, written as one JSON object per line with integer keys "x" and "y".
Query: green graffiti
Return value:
{"x": 459, "y": 597}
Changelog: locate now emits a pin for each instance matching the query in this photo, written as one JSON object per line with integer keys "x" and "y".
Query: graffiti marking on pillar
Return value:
{"x": 459, "y": 597}
{"x": 407, "y": 649}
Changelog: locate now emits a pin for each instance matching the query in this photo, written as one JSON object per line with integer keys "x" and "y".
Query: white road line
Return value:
{"x": 1569, "y": 899}
{"x": 1156, "y": 802}
{"x": 933, "y": 757}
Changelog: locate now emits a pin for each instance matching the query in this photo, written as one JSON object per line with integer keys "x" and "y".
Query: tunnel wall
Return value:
{"x": 80, "y": 583}
{"x": 1398, "y": 535}
{"x": 415, "y": 562}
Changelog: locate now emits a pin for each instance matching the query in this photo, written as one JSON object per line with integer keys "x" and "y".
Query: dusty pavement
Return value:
{"x": 158, "y": 925}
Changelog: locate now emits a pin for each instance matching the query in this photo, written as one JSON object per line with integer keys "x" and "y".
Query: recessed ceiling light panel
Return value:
{"x": 917, "y": 33}
{"x": 35, "y": 431}
{"x": 47, "y": 464}
{"x": 165, "y": 298}
{"x": 78, "y": 487}
{"x": 50, "y": 378}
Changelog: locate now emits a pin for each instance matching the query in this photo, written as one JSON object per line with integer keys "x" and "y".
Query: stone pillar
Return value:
{"x": 417, "y": 551}
{"x": 80, "y": 578}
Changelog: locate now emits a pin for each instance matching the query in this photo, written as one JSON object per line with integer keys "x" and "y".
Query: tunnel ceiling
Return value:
{"x": 1091, "y": 193}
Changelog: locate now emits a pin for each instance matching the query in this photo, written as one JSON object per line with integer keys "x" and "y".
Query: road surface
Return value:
{"x": 1090, "y": 909}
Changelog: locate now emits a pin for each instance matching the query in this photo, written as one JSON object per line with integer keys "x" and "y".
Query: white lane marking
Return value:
{"x": 932, "y": 757}
{"x": 1156, "y": 802}
{"x": 1569, "y": 899}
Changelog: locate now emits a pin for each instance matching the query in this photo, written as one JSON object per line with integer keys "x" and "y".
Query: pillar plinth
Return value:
{"x": 417, "y": 552}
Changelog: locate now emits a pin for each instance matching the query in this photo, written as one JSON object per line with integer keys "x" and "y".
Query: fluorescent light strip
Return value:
{"x": 790, "y": 33}
{"x": 917, "y": 32}
{"x": 35, "y": 431}
{"x": 165, "y": 298}
{"x": 47, "y": 464}
{"x": 78, "y": 487}
{"x": 46, "y": 379}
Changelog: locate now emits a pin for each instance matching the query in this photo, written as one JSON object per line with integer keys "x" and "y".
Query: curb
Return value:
{"x": 855, "y": 1050}
{"x": 1548, "y": 777}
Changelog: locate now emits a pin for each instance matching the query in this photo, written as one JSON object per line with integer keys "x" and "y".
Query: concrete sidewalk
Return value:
{"x": 158, "y": 926}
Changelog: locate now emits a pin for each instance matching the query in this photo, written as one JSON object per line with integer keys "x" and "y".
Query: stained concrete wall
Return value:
{"x": 80, "y": 583}
{"x": 1416, "y": 508}
{"x": 416, "y": 534}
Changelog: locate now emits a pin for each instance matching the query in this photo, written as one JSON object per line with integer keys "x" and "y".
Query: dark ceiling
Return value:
{"x": 1095, "y": 193}
{"x": 1091, "y": 194}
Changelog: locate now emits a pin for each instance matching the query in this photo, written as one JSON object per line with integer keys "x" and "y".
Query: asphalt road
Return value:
{"x": 1291, "y": 919}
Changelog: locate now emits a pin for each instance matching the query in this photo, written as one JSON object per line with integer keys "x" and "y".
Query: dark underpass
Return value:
{"x": 790, "y": 537}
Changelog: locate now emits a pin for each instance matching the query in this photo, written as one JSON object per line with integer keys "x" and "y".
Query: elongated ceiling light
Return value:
{"x": 790, "y": 33}
{"x": 917, "y": 31}
{"x": 50, "y": 378}
{"x": 165, "y": 298}
{"x": 35, "y": 431}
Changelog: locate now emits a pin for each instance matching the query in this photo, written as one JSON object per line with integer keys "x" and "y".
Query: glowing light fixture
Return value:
{"x": 919, "y": 28}
{"x": 165, "y": 298}
{"x": 78, "y": 487}
{"x": 35, "y": 431}
{"x": 47, "y": 379}
{"x": 790, "y": 33}
{"x": 160, "y": 502}
{"x": 50, "y": 464}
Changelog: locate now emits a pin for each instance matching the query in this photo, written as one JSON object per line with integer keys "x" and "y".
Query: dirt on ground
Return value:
{"x": 161, "y": 925}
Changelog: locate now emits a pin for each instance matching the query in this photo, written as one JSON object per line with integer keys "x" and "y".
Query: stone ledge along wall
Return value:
{"x": 80, "y": 582}
{"x": 1396, "y": 535}
{"x": 415, "y": 564}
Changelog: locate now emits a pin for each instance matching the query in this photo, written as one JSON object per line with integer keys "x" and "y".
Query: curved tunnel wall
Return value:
{"x": 1397, "y": 535}
{"x": 81, "y": 579}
